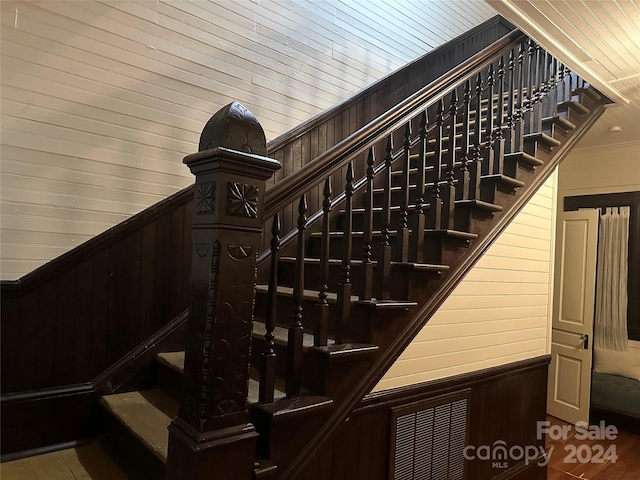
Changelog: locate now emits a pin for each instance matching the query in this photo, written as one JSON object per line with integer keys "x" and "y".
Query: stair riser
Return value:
{"x": 496, "y": 193}
{"x": 536, "y": 149}
{"x": 284, "y": 435}
{"x": 487, "y": 194}
{"x": 332, "y": 379}
{"x": 258, "y": 346}
{"x": 136, "y": 455}
{"x": 382, "y": 328}
{"x": 437, "y": 249}
{"x": 320, "y": 375}
{"x": 358, "y": 220}
{"x": 359, "y": 315}
{"x": 519, "y": 170}
{"x": 397, "y": 180}
{"x": 284, "y": 311}
{"x": 397, "y": 196}
{"x": 401, "y": 282}
{"x": 573, "y": 115}
{"x": 336, "y": 245}
{"x": 170, "y": 381}
{"x": 310, "y": 312}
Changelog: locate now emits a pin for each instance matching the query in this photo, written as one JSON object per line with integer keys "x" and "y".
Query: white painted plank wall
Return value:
{"x": 499, "y": 313}
{"x": 102, "y": 99}
{"x": 607, "y": 169}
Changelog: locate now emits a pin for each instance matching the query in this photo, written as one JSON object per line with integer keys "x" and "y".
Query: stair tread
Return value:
{"x": 147, "y": 414}
{"x": 345, "y": 351}
{"x": 451, "y": 233}
{"x": 563, "y": 106}
{"x": 281, "y": 335}
{"x": 525, "y": 157}
{"x": 492, "y": 207}
{"x": 559, "y": 120}
{"x": 307, "y": 294}
{"x": 393, "y": 208}
{"x": 336, "y": 261}
{"x": 504, "y": 179}
{"x": 543, "y": 138}
{"x": 377, "y": 233}
{"x": 298, "y": 405}
{"x": 592, "y": 92}
{"x": 387, "y": 304}
{"x": 175, "y": 360}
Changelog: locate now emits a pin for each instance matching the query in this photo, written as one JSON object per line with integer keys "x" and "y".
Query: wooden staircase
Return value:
{"x": 336, "y": 303}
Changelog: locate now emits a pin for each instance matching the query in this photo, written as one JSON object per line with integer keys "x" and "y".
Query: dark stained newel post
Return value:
{"x": 212, "y": 436}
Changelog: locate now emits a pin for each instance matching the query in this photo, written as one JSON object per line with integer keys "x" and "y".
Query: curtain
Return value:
{"x": 611, "y": 287}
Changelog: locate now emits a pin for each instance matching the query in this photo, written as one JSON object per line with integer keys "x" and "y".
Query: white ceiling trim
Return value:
{"x": 557, "y": 43}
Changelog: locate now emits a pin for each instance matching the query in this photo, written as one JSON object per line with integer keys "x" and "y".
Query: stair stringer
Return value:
{"x": 429, "y": 304}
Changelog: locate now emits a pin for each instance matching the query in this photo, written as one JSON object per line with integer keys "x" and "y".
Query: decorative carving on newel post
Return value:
{"x": 212, "y": 436}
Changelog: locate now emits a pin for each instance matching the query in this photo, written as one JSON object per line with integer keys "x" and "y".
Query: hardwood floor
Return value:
{"x": 88, "y": 462}
{"x": 587, "y": 459}
{"x": 91, "y": 462}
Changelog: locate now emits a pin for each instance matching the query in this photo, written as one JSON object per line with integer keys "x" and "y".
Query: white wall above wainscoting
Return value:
{"x": 499, "y": 313}
{"x": 101, "y": 100}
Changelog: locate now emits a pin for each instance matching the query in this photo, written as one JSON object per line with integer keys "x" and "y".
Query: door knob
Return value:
{"x": 584, "y": 339}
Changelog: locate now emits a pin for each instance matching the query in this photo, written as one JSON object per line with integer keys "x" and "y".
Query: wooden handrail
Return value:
{"x": 288, "y": 190}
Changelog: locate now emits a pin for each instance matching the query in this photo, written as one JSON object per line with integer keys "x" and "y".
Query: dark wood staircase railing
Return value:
{"x": 335, "y": 300}
{"x": 341, "y": 302}
{"x": 359, "y": 283}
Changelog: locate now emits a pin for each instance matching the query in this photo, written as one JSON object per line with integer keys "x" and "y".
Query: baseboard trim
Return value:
{"x": 464, "y": 380}
{"x": 46, "y": 449}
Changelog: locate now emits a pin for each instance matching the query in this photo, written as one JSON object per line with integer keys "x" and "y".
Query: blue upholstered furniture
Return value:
{"x": 615, "y": 394}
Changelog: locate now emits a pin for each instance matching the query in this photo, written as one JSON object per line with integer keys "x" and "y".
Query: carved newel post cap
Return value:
{"x": 236, "y": 128}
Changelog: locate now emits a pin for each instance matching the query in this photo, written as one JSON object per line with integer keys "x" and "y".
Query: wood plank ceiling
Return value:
{"x": 600, "y": 39}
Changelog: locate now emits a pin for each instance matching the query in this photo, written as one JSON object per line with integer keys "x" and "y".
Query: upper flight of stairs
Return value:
{"x": 378, "y": 264}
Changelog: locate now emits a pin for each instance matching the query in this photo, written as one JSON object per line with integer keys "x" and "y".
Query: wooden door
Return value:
{"x": 569, "y": 385}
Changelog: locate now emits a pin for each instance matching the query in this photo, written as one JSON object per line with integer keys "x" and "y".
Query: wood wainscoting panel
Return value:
{"x": 505, "y": 403}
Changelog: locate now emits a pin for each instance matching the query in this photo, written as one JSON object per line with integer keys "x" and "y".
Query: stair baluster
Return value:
{"x": 296, "y": 330}
{"x": 449, "y": 194}
{"x": 384, "y": 262}
{"x": 539, "y": 91}
{"x": 434, "y": 219}
{"x": 322, "y": 327}
{"x": 540, "y": 69}
{"x": 367, "y": 265}
{"x": 530, "y": 98}
{"x": 519, "y": 116}
{"x": 268, "y": 356}
{"x": 462, "y": 177}
{"x": 562, "y": 97}
{"x": 547, "y": 74}
{"x": 547, "y": 101}
{"x": 403, "y": 225}
{"x": 419, "y": 216}
{"x": 553, "y": 86}
{"x": 498, "y": 137}
{"x": 476, "y": 166}
{"x": 344, "y": 289}
{"x": 569, "y": 84}
{"x": 511, "y": 112}
{"x": 487, "y": 164}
